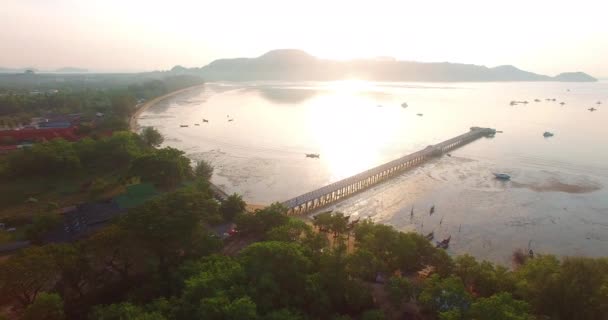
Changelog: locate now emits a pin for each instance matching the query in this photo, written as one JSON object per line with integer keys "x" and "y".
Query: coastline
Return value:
{"x": 134, "y": 127}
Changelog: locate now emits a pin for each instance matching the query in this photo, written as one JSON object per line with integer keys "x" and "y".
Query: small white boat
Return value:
{"x": 502, "y": 176}
{"x": 404, "y": 105}
{"x": 419, "y": 114}
{"x": 592, "y": 109}
{"x": 547, "y": 134}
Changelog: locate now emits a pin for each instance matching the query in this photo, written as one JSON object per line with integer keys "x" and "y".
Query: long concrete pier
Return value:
{"x": 339, "y": 190}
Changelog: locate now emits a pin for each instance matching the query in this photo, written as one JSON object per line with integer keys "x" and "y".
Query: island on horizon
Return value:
{"x": 298, "y": 65}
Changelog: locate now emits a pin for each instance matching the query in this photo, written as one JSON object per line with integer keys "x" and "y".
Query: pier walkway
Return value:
{"x": 339, "y": 190}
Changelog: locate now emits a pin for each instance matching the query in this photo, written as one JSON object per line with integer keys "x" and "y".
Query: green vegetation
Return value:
{"x": 160, "y": 261}
{"x": 114, "y": 96}
{"x": 151, "y": 137}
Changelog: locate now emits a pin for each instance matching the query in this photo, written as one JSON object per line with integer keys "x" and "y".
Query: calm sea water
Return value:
{"x": 555, "y": 203}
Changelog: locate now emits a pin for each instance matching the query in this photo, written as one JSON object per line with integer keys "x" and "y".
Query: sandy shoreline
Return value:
{"x": 134, "y": 127}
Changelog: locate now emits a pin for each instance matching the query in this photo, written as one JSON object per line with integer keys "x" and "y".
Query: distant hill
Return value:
{"x": 297, "y": 65}
{"x": 60, "y": 70}
{"x": 574, "y": 77}
{"x": 16, "y": 70}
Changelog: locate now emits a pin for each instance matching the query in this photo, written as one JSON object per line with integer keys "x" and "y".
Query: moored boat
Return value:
{"x": 502, "y": 176}
{"x": 445, "y": 243}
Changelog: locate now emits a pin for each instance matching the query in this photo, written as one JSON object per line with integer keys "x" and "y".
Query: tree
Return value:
{"x": 73, "y": 265}
{"x": 151, "y": 137}
{"x": 44, "y": 159}
{"x": 283, "y": 314}
{"x": 537, "y": 283}
{"x": 335, "y": 223}
{"x": 295, "y": 230}
{"x": 373, "y": 315}
{"x": 122, "y": 105}
{"x": 170, "y": 227}
{"x": 276, "y": 274}
{"x": 483, "y": 278}
{"x": 41, "y": 225}
{"x": 166, "y": 167}
{"x": 441, "y": 295}
{"x": 47, "y": 306}
{"x": 500, "y": 306}
{"x": 123, "y": 311}
{"x": 364, "y": 265}
{"x": 262, "y": 221}
{"x": 26, "y": 274}
{"x": 399, "y": 289}
{"x": 116, "y": 250}
{"x": 118, "y": 150}
{"x": 578, "y": 289}
{"x": 203, "y": 170}
{"x": 232, "y": 207}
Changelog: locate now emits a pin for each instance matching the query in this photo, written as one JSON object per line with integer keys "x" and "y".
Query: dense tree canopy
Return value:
{"x": 161, "y": 261}
{"x": 151, "y": 137}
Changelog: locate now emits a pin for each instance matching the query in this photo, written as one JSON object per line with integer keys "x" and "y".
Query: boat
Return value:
{"x": 419, "y": 114}
{"x": 562, "y": 103}
{"x": 404, "y": 105}
{"x": 230, "y": 120}
{"x": 312, "y": 155}
{"x": 547, "y": 134}
{"x": 525, "y": 102}
{"x": 205, "y": 120}
{"x": 379, "y": 106}
{"x": 502, "y": 176}
{"x": 445, "y": 243}
{"x": 536, "y": 100}
{"x": 183, "y": 125}
{"x": 592, "y": 109}
{"x": 430, "y": 236}
{"x": 553, "y": 99}
{"x": 598, "y": 103}
{"x": 513, "y": 103}
{"x": 196, "y": 124}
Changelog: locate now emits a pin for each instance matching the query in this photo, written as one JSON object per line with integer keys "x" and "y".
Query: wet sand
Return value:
{"x": 133, "y": 121}
{"x": 556, "y": 201}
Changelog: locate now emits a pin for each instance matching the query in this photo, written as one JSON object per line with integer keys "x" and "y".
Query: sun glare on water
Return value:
{"x": 351, "y": 128}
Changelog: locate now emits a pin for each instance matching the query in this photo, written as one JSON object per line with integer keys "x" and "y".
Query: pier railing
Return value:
{"x": 339, "y": 190}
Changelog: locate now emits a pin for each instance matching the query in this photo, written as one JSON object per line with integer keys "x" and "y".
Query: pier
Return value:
{"x": 339, "y": 190}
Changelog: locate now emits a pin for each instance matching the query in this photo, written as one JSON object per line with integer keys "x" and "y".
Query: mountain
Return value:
{"x": 16, "y": 70}
{"x": 297, "y": 65}
{"x": 574, "y": 77}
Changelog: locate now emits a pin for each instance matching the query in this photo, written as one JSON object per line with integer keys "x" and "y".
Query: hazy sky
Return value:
{"x": 110, "y": 35}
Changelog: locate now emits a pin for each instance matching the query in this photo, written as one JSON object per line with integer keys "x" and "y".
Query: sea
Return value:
{"x": 257, "y": 135}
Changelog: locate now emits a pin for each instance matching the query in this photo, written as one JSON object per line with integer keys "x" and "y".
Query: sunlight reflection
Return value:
{"x": 349, "y": 86}
{"x": 351, "y": 130}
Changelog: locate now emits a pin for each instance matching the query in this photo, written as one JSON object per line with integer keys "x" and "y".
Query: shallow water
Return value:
{"x": 556, "y": 201}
